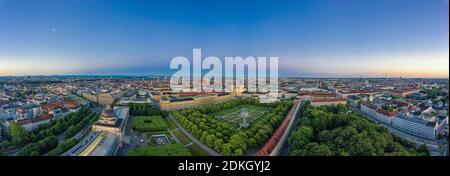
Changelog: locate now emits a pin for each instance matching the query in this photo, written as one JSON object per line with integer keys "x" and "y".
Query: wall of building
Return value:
{"x": 33, "y": 126}
{"x": 90, "y": 97}
{"x": 328, "y": 103}
{"x": 414, "y": 128}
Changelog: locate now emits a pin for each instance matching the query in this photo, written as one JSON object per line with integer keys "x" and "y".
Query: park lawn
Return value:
{"x": 197, "y": 151}
{"x": 149, "y": 124}
{"x": 194, "y": 148}
{"x": 256, "y": 112}
{"x": 184, "y": 140}
{"x": 238, "y": 107}
{"x": 158, "y": 132}
{"x": 170, "y": 124}
{"x": 161, "y": 150}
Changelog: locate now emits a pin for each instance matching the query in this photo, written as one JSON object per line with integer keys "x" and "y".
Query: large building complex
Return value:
{"x": 415, "y": 125}
{"x": 183, "y": 100}
{"x": 321, "y": 98}
{"x": 110, "y": 130}
{"x": 421, "y": 122}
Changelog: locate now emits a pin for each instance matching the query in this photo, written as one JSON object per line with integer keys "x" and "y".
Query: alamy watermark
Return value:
{"x": 237, "y": 75}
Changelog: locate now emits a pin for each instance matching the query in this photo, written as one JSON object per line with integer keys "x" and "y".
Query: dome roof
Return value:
{"x": 108, "y": 113}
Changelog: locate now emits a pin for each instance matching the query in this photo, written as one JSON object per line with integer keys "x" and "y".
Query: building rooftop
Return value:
{"x": 317, "y": 100}
{"x": 106, "y": 146}
{"x": 415, "y": 119}
{"x": 108, "y": 113}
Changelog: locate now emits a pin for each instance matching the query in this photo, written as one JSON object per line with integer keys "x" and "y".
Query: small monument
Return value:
{"x": 244, "y": 114}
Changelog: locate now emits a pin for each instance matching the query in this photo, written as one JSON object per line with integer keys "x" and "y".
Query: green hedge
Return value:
{"x": 149, "y": 123}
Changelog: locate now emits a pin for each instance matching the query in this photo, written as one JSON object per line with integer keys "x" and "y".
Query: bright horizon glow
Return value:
{"x": 311, "y": 38}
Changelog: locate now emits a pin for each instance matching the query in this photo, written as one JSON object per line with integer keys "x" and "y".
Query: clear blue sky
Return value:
{"x": 408, "y": 38}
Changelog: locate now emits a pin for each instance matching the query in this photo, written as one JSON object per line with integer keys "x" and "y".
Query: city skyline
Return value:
{"x": 324, "y": 38}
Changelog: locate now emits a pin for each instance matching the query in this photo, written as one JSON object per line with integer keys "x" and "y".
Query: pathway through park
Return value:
{"x": 193, "y": 139}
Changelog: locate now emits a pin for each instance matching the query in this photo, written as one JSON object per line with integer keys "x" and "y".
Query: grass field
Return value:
{"x": 149, "y": 124}
{"x": 170, "y": 124}
{"x": 153, "y": 125}
{"x": 232, "y": 115}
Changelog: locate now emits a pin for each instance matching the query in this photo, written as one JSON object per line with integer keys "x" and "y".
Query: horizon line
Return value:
{"x": 163, "y": 75}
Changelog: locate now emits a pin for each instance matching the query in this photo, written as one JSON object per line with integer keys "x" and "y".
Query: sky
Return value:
{"x": 317, "y": 38}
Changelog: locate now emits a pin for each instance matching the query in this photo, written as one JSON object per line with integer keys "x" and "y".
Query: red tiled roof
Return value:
{"x": 197, "y": 93}
{"x": 42, "y": 117}
{"x": 401, "y": 103}
{"x": 317, "y": 94}
{"x": 357, "y": 91}
{"x": 49, "y": 107}
{"x": 71, "y": 104}
{"x": 405, "y": 90}
{"x": 386, "y": 112}
{"x": 24, "y": 121}
{"x": 316, "y": 100}
{"x": 270, "y": 145}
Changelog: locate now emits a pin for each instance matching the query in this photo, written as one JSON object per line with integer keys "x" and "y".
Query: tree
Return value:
{"x": 227, "y": 149}
{"x": 41, "y": 147}
{"x": 201, "y": 122}
{"x": 210, "y": 140}
{"x": 218, "y": 143}
{"x": 238, "y": 142}
{"x": 325, "y": 136}
{"x": 17, "y": 133}
{"x": 238, "y": 152}
{"x": 329, "y": 130}
{"x": 63, "y": 147}
{"x": 422, "y": 150}
{"x": 360, "y": 145}
{"x": 32, "y": 149}
{"x": 301, "y": 137}
{"x": 315, "y": 149}
{"x": 251, "y": 142}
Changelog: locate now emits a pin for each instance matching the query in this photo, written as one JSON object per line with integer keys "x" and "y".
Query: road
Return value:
{"x": 284, "y": 151}
{"x": 173, "y": 135}
{"x": 193, "y": 139}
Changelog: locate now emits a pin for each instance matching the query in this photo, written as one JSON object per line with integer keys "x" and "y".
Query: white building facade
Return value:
{"x": 415, "y": 126}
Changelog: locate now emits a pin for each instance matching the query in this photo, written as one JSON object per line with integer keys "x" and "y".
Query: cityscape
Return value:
{"x": 95, "y": 78}
{"x": 134, "y": 116}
